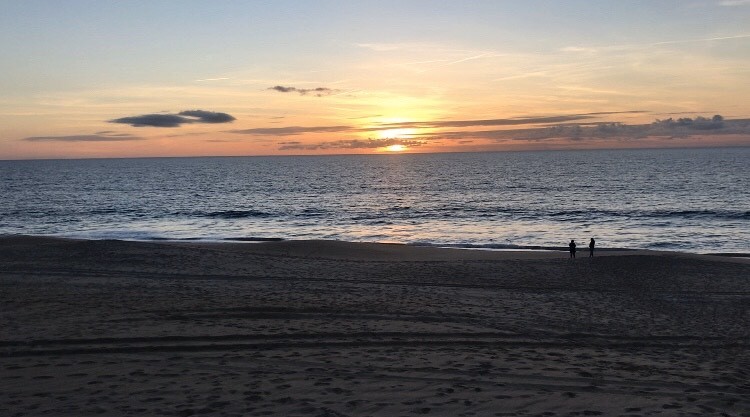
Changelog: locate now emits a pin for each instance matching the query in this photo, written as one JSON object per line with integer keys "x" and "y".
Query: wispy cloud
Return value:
{"x": 625, "y": 47}
{"x": 317, "y": 92}
{"x": 292, "y": 130}
{"x": 175, "y": 120}
{"x": 350, "y": 144}
{"x": 439, "y": 124}
{"x": 385, "y": 47}
{"x": 499, "y": 122}
{"x": 730, "y": 3}
{"x": 717, "y": 38}
{"x": 577, "y": 49}
{"x": 212, "y": 79}
{"x": 105, "y": 136}
{"x": 471, "y": 58}
{"x": 425, "y": 56}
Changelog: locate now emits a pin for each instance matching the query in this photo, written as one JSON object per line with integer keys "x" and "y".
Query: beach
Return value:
{"x": 330, "y": 328}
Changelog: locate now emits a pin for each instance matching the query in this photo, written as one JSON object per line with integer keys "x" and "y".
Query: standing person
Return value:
{"x": 572, "y": 247}
{"x": 591, "y": 247}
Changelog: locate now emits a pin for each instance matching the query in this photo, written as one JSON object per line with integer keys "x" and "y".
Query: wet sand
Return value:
{"x": 342, "y": 329}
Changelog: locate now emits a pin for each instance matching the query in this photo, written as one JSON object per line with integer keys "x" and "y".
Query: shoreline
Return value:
{"x": 500, "y": 248}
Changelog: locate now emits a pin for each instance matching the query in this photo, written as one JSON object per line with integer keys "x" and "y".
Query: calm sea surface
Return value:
{"x": 685, "y": 199}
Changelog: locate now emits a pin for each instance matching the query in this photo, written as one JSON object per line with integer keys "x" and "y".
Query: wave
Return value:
{"x": 244, "y": 214}
{"x": 526, "y": 214}
{"x": 486, "y": 246}
{"x": 400, "y": 213}
{"x": 660, "y": 214}
{"x": 230, "y": 214}
{"x": 253, "y": 239}
{"x": 719, "y": 214}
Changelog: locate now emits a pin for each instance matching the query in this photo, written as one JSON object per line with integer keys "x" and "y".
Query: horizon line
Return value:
{"x": 376, "y": 154}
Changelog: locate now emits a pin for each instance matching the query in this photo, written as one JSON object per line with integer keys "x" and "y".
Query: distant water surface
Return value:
{"x": 678, "y": 199}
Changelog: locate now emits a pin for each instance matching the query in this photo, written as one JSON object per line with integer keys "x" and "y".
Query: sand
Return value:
{"x": 323, "y": 328}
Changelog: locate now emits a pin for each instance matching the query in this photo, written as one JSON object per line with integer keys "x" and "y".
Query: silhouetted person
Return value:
{"x": 572, "y": 247}
{"x": 591, "y": 247}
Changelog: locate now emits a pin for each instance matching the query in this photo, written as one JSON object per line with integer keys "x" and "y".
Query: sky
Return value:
{"x": 89, "y": 79}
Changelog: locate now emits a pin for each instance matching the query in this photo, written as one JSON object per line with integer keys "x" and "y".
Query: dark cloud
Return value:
{"x": 350, "y": 144}
{"x": 204, "y": 116}
{"x": 153, "y": 120}
{"x": 282, "y": 89}
{"x": 105, "y": 136}
{"x": 112, "y": 134}
{"x": 292, "y": 130}
{"x": 318, "y": 92}
{"x": 175, "y": 120}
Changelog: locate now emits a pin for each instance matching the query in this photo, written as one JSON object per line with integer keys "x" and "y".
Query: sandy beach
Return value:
{"x": 322, "y": 328}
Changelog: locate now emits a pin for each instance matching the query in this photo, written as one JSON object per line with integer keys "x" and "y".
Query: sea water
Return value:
{"x": 673, "y": 199}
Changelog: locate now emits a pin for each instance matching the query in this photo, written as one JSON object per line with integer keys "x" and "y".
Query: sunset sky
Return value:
{"x": 182, "y": 78}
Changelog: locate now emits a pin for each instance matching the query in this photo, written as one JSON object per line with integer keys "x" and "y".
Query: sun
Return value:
{"x": 395, "y": 148}
{"x": 391, "y": 131}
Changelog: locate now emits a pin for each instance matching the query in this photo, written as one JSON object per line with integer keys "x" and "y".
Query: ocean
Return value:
{"x": 695, "y": 200}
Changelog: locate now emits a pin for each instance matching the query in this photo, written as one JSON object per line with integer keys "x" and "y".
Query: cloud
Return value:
{"x": 292, "y": 130}
{"x": 366, "y": 117}
{"x": 104, "y": 136}
{"x": 619, "y": 48}
{"x": 212, "y": 79}
{"x": 497, "y": 122}
{"x": 298, "y": 130}
{"x": 577, "y": 49}
{"x": 573, "y": 127}
{"x": 719, "y": 38}
{"x": 446, "y": 63}
{"x": 204, "y": 116}
{"x": 730, "y": 3}
{"x": 671, "y": 128}
{"x": 381, "y": 47}
{"x": 282, "y": 89}
{"x": 317, "y": 92}
{"x": 153, "y": 120}
{"x": 492, "y": 122}
{"x": 175, "y": 120}
{"x": 350, "y": 144}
